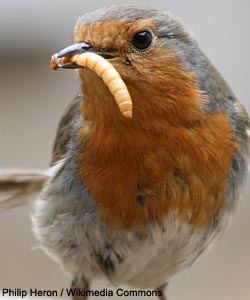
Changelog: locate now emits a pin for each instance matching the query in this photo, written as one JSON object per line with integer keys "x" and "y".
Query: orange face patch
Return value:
{"x": 114, "y": 34}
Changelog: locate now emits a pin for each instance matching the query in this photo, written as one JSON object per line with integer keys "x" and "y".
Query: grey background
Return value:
{"x": 32, "y": 99}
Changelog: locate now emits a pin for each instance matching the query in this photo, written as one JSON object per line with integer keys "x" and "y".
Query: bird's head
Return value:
{"x": 147, "y": 48}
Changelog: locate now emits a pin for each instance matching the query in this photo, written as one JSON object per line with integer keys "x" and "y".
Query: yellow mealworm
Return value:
{"x": 109, "y": 75}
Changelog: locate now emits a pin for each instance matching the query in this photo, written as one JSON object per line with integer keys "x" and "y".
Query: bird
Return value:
{"x": 136, "y": 200}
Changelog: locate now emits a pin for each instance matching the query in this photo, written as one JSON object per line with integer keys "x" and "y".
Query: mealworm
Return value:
{"x": 107, "y": 72}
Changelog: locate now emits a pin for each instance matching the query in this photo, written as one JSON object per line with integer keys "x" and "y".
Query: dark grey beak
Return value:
{"x": 73, "y": 49}
{"x": 80, "y": 48}
{"x": 76, "y": 48}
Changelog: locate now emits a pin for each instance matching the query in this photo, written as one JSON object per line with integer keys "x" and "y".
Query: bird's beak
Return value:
{"x": 80, "y": 48}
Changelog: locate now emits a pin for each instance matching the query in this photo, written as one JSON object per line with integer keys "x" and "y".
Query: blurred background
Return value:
{"x": 32, "y": 99}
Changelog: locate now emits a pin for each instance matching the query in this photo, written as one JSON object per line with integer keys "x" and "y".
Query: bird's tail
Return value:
{"x": 19, "y": 186}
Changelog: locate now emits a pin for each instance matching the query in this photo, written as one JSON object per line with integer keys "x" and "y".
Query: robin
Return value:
{"x": 136, "y": 200}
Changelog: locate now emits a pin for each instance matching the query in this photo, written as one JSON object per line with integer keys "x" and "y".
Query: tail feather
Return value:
{"x": 19, "y": 186}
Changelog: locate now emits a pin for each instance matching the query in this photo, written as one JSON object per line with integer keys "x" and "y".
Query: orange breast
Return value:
{"x": 186, "y": 172}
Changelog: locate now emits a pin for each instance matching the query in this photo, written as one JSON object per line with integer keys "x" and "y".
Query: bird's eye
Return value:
{"x": 142, "y": 40}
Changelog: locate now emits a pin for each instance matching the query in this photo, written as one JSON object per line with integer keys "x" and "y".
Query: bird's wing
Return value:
{"x": 244, "y": 122}
{"x": 66, "y": 124}
{"x": 19, "y": 186}
{"x": 248, "y": 135}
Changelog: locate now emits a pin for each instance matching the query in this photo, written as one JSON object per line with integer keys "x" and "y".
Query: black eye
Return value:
{"x": 142, "y": 40}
